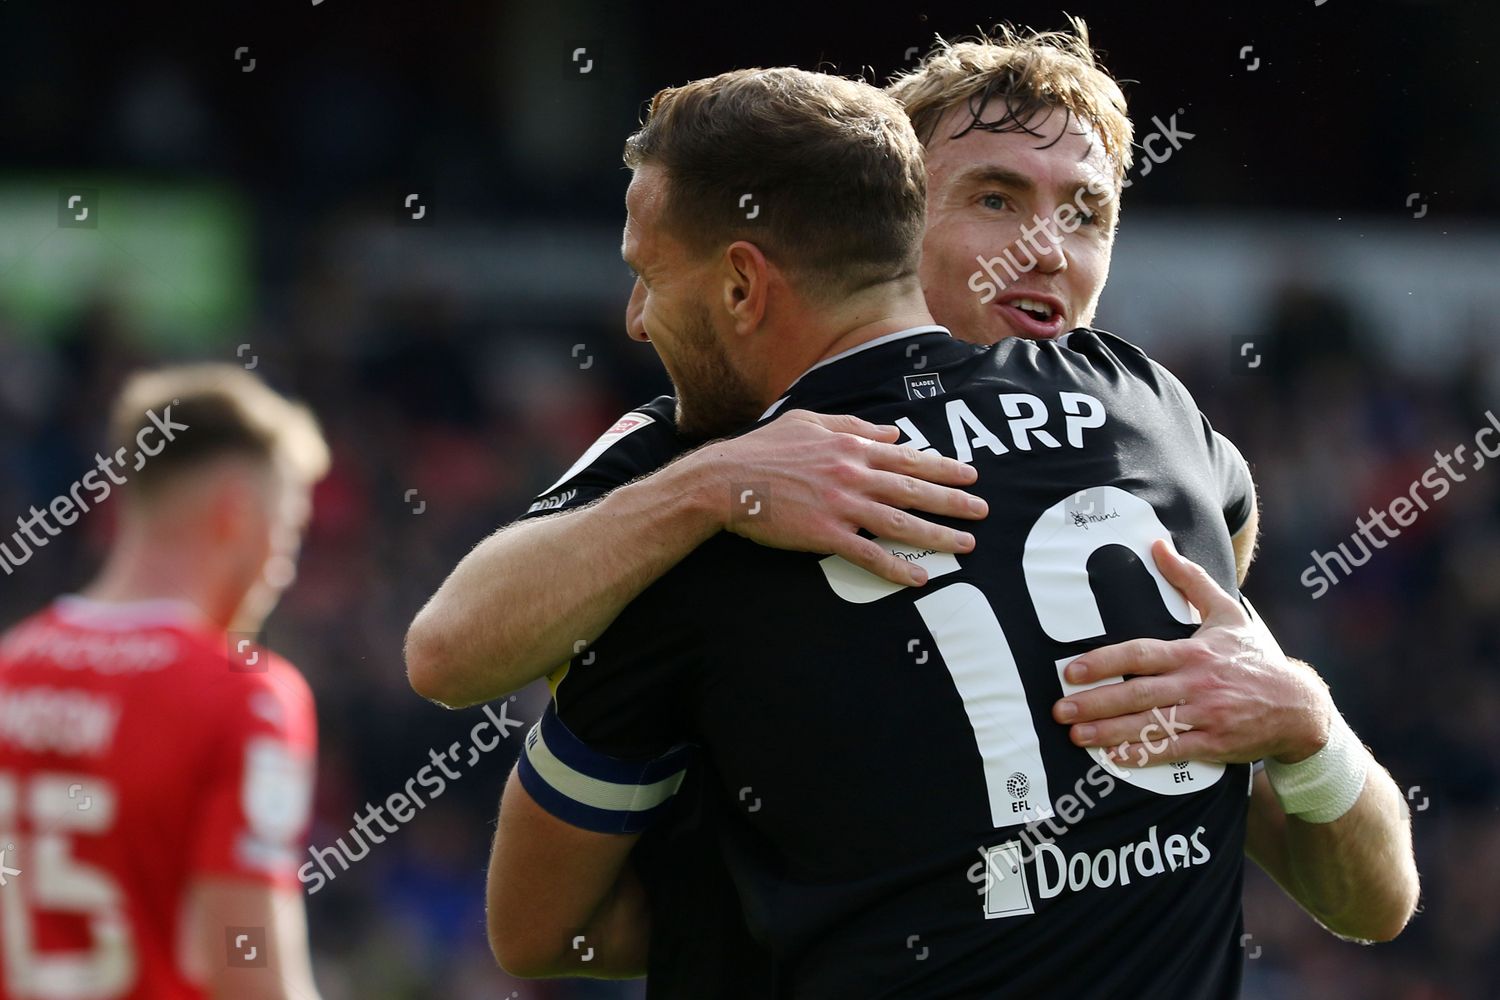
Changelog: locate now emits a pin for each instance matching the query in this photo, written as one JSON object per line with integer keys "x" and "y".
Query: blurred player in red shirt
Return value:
{"x": 156, "y": 766}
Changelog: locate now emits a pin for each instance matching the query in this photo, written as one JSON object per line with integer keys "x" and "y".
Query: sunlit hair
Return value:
{"x": 228, "y": 411}
{"x": 823, "y": 173}
{"x": 1012, "y": 80}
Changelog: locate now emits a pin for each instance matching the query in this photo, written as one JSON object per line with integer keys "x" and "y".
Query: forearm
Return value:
{"x": 284, "y": 969}
{"x": 616, "y": 943}
{"x": 523, "y": 600}
{"x": 561, "y": 901}
{"x": 1355, "y": 875}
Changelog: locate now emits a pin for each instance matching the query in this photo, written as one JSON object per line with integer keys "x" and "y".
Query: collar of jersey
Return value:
{"x": 153, "y": 613}
{"x": 877, "y": 342}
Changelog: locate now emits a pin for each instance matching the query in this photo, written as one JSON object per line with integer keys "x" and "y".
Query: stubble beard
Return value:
{"x": 713, "y": 397}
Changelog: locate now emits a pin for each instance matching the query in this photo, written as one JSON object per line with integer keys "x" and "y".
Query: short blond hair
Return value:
{"x": 225, "y": 410}
{"x": 1033, "y": 73}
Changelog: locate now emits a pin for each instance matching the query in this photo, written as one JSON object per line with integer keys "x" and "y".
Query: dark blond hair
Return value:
{"x": 832, "y": 167}
{"x": 1026, "y": 76}
{"x": 226, "y": 410}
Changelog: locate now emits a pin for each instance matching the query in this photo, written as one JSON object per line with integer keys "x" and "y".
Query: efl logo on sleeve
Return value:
{"x": 923, "y": 386}
{"x": 628, "y": 423}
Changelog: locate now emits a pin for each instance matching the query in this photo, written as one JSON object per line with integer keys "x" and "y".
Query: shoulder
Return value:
{"x": 251, "y": 689}
{"x": 1082, "y": 348}
{"x": 1084, "y": 357}
{"x": 646, "y": 430}
{"x": 641, "y": 441}
{"x": 17, "y": 640}
{"x": 662, "y": 408}
{"x": 647, "y": 433}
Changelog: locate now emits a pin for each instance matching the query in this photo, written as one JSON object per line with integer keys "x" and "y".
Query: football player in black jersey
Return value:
{"x": 787, "y": 671}
{"x": 1065, "y": 280}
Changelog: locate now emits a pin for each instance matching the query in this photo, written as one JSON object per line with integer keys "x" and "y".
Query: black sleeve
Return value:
{"x": 612, "y": 748}
{"x": 1230, "y": 471}
{"x": 639, "y": 443}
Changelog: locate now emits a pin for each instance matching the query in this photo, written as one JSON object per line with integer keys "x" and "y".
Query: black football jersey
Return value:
{"x": 900, "y": 814}
{"x": 700, "y": 945}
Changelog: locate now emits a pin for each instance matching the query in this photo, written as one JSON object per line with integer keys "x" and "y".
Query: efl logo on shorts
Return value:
{"x": 923, "y": 386}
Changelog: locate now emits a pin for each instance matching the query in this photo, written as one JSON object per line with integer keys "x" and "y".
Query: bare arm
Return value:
{"x": 268, "y": 960}
{"x": 1355, "y": 875}
{"x": 516, "y": 605}
{"x": 563, "y": 901}
{"x": 530, "y": 596}
{"x": 1244, "y": 540}
{"x": 1242, "y": 699}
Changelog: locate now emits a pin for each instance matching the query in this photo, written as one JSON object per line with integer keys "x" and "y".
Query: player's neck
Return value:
{"x": 883, "y": 319}
{"x": 138, "y": 570}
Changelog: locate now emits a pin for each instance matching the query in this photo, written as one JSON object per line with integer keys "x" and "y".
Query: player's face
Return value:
{"x": 671, "y": 307}
{"x": 982, "y": 276}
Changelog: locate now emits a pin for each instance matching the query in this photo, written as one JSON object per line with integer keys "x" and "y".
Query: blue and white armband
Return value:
{"x": 592, "y": 790}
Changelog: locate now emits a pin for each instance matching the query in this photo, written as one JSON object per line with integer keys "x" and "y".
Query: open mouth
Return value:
{"x": 1036, "y": 317}
{"x": 1039, "y": 311}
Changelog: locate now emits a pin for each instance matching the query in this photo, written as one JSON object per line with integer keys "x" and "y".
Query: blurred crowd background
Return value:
{"x": 250, "y": 174}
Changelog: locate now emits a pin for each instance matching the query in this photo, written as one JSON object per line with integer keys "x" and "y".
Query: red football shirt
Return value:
{"x": 138, "y": 752}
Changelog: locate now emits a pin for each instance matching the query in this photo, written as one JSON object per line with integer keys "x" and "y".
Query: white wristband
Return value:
{"x": 1326, "y": 785}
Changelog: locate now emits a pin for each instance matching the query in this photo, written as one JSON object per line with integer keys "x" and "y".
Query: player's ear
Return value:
{"x": 747, "y": 281}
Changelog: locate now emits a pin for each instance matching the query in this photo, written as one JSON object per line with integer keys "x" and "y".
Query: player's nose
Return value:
{"x": 1051, "y": 257}
{"x": 635, "y": 310}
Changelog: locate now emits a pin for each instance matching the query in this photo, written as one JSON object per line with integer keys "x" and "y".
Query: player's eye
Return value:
{"x": 994, "y": 201}
{"x": 1098, "y": 218}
